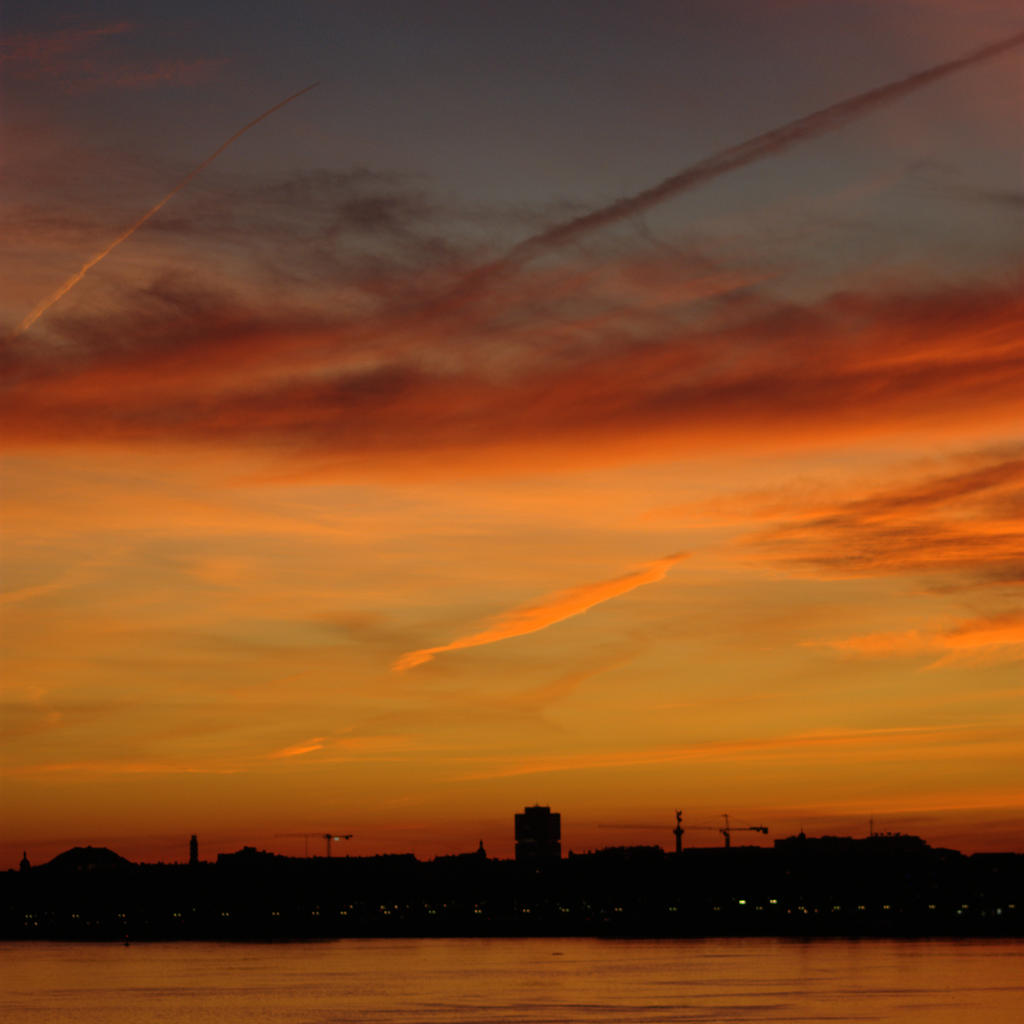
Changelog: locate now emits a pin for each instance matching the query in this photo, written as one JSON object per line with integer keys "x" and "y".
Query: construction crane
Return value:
{"x": 327, "y": 837}
{"x": 729, "y": 829}
{"x": 677, "y": 831}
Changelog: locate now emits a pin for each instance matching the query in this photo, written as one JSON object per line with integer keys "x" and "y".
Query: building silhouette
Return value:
{"x": 193, "y": 850}
{"x": 882, "y": 885}
{"x": 538, "y": 834}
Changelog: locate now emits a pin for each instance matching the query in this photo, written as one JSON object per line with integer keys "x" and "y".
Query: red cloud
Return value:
{"x": 195, "y": 370}
{"x": 965, "y": 522}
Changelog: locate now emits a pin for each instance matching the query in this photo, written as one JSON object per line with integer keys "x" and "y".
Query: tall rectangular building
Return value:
{"x": 538, "y": 834}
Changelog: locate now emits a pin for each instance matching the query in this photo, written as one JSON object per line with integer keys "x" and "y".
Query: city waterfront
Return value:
{"x": 487, "y": 981}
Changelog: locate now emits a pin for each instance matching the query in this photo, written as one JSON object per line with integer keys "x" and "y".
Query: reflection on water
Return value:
{"x": 487, "y": 981}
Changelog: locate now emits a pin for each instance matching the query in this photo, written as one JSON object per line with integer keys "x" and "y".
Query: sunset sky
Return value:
{"x": 400, "y": 471}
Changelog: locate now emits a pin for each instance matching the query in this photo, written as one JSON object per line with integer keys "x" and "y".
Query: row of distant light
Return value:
{"x": 386, "y": 909}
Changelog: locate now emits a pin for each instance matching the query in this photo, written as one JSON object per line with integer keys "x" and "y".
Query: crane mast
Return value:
{"x": 678, "y": 831}
{"x": 729, "y": 829}
{"x": 327, "y": 837}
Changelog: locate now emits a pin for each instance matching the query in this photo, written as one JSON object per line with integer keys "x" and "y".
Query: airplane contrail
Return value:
{"x": 810, "y": 126}
{"x": 129, "y": 231}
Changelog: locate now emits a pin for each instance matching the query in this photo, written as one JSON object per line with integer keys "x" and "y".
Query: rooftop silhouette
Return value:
{"x": 882, "y": 884}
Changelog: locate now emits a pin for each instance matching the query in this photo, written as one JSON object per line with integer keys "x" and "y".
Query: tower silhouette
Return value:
{"x": 538, "y": 834}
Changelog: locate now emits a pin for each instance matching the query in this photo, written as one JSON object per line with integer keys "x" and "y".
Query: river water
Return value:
{"x": 508, "y": 981}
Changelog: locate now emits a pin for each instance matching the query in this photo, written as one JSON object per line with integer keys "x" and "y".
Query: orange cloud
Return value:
{"x": 911, "y": 641}
{"x": 996, "y": 630}
{"x": 996, "y": 634}
{"x": 557, "y": 608}
{"x": 316, "y": 743}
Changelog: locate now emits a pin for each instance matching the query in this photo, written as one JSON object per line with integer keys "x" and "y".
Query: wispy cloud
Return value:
{"x": 537, "y": 698}
{"x": 410, "y": 357}
{"x": 963, "y": 523}
{"x": 557, "y": 608}
{"x": 29, "y": 718}
{"x": 818, "y": 747}
{"x": 82, "y": 59}
{"x": 559, "y": 361}
{"x": 1000, "y": 635}
{"x": 103, "y": 768}
{"x": 132, "y": 228}
{"x": 306, "y": 747}
{"x": 811, "y": 126}
{"x": 42, "y": 49}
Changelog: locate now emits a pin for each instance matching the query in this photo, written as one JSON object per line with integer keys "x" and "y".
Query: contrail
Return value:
{"x": 808, "y": 127}
{"x": 129, "y": 231}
